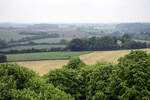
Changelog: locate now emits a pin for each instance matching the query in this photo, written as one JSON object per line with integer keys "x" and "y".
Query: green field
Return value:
{"x": 30, "y": 47}
{"x": 12, "y": 34}
{"x": 43, "y": 56}
{"x": 9, "y": 35}
{"x": 51, "y": 40}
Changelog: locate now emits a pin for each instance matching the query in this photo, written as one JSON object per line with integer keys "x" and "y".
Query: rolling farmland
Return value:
{"x": 42, "y": 67}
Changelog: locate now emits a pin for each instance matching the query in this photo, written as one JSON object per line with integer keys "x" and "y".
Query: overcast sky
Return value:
{"x": 74, "y": 11}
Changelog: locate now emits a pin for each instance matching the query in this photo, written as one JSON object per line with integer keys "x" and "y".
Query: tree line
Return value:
{"x": 105, "y": 43}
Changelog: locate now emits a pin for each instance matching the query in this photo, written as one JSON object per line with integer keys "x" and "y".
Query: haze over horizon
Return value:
{"x": 74, "y": 11}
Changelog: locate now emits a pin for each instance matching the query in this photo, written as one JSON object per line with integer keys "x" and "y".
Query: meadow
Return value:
{"x": 30, "y": 47}
{"x": 51, "y": 40}
{"x": 43, "y": 56}
{"x": 9, "y": 35}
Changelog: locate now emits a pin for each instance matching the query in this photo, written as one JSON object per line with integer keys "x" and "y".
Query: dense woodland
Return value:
{"x": 105, "y": 43}
{"x": 127, "y": 80}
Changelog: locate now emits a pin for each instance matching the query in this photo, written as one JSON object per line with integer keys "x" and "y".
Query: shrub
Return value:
{"x": 75, "y": 63}
{"x": 82, "y": 84}
{"x": 3, "y": 58}
{"x": 67, "y": 80}
{"x": 25, "y": 94}
{"x": 20, "y": 83}
{"x": 96, "y": 80}
{"x": 131, "y": 81}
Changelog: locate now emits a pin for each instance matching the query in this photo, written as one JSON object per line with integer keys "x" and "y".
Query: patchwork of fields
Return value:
{"x": 42, "y": 67}
{"x": 15, "y": 37}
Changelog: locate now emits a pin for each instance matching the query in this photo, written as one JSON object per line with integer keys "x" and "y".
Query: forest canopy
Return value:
{"x": 127, "y": 80}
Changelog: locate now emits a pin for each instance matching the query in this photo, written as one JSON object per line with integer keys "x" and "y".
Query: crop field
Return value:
{"x": 43, "y": 56}
{"x": 109, "y": 56}
{"x": 42, "y": 67}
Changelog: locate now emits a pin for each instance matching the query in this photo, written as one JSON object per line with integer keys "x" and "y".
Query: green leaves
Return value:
{"x": 75, "y": 63}
{"x": 3, "y": 58}
{"x": 132, "y": 77}
{"x": 127, "y": 80}
{"x": 19, "y": 83}
{"x": 67, "y": 80}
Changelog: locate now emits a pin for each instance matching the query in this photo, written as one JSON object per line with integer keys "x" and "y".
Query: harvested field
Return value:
{"x": 109, "y": 56}
{"x": 42, "y": 67}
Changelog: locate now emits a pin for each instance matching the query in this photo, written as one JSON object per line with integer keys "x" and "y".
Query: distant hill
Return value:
{"x": 43, "y": 26}
{"x": 133, "y": 27}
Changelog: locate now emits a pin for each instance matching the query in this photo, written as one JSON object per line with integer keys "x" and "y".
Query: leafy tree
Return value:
{"x": 3, "y": 58}
{"x": 21, "y": 83}
{"x": 76, "y": 45}
{"x": 96, "y": 80}
{"x": 131, "y": 81}
{"x": 3, "y": 43}
{"x": 125, "y": 38}
{"x": 105, "y": 43}
{"x": 67, "y": 80}
{"x": 63, "y": 41}
{"x": 25, "y": 94}
{"x": 75, "y": 63}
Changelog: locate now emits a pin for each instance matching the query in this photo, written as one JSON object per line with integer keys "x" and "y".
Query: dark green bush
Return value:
{"x": 96, "y": 80}
{"x": 75, "y": 63}
{"x": 131, "y": 81}
{"x": 67, "y": 80}
{"x": 19, "y": 83}
{"x": 3, "y": 58}
{"x": 82, "y": 84}
{"x": 25, "y": 94}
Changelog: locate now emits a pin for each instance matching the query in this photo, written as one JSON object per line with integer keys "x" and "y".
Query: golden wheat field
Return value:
{"x": 42, "y": 67}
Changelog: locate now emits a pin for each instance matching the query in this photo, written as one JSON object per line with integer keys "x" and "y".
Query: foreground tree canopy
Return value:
{"x": 19, "y": 83}
{"x": 127, "y": 80}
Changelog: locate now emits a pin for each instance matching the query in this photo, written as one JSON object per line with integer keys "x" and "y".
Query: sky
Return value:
{"x": 74, "y": 11}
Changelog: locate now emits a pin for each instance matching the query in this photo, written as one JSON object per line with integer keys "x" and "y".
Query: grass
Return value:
{"x": 8, "y": 35}
{"x": 30, "y": 47}
{"x": 43, "y": 56}
{"x": 51, "y": 40}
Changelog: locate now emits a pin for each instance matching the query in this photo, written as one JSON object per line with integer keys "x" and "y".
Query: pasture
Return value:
{"x": 43, "y": 56}
{"x": 30, "y": 47}
{"x": 9, "y": 35}
{"x": 42, "y": 67}
{"x": 51, "y": 40}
